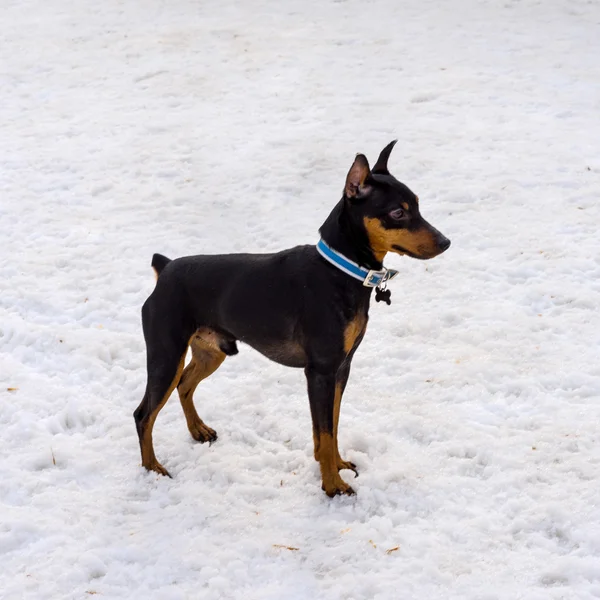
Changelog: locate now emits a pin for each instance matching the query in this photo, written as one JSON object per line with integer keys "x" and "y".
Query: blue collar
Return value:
{"x": 368, "y": 278}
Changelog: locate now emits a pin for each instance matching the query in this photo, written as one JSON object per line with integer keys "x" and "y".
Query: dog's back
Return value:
{"x": 255, "y": 298}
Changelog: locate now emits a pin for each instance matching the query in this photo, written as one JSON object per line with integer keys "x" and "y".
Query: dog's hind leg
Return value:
{"x": 158, "y": 389}
{"x": 165, "y": 358}
{"x": 207, "y": 357}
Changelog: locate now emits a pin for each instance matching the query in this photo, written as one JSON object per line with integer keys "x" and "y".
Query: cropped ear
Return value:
{"x": 357, "y": 176}
{"x": 381, "y": 167}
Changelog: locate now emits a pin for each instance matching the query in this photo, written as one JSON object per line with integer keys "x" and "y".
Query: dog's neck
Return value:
{"x": 348, "y": 237}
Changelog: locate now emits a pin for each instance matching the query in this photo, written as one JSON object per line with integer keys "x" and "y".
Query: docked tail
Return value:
{"x": 159, "y": 262}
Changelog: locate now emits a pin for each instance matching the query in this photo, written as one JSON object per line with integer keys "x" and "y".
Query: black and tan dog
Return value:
{"x": 306, "y": 307}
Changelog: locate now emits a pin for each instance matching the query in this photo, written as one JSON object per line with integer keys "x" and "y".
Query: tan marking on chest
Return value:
{"x": 353, "y": 331}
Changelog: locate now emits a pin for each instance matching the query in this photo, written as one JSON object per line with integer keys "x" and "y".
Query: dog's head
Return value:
{"x": 389, "y": 211}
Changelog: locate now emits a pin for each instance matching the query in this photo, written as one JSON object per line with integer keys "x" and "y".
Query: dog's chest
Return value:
{"x": 354, "y": 332}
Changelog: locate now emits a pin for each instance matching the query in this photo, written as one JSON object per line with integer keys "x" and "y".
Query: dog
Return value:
{"x": 305, "y": 307}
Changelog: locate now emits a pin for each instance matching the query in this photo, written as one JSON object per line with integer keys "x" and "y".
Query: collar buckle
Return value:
{"x": 378, "y": 278}
{"x": 374, "y": 278}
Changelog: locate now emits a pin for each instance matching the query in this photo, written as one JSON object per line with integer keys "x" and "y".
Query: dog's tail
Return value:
{"x": 159, "y": 262}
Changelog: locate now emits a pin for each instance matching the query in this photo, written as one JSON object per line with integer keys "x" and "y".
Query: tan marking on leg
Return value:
{"x": 354, "y": 330}
{"x": 206, "y": 338}
{"x": 206, "y": 359}
{"x": 148, "y": 457}
{"x": 421, "y": 243}
{"x": 316, "y": 444}
{"x": 333, "y": 484}
{"x": 337, "y": 403}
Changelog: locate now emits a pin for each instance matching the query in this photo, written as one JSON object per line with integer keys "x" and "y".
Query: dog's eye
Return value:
{"x": 397, "y": 214}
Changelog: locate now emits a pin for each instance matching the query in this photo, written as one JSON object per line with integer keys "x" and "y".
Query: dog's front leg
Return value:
{"x": 321, "y": 394}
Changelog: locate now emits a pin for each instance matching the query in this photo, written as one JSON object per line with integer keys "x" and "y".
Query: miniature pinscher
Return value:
{"x": 306, "y": 307}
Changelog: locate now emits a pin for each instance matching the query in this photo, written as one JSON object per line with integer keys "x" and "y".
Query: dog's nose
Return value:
{"x": 444, "y": 244}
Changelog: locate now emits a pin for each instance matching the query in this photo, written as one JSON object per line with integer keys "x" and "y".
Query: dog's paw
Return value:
{"x": 336, "y": 487}
{"x": 202, "y": 433}
{"x": 158, "y": 468}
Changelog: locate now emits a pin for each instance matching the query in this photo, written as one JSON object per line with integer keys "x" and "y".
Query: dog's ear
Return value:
{"x": 381, "y": 167}
{"x": 357, "y": 177}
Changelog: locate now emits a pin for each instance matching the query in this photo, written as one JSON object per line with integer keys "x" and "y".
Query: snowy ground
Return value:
{"x": 473, "y": 409}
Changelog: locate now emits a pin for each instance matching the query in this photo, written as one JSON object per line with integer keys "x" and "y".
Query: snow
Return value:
{"x": 472, "y": 411}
